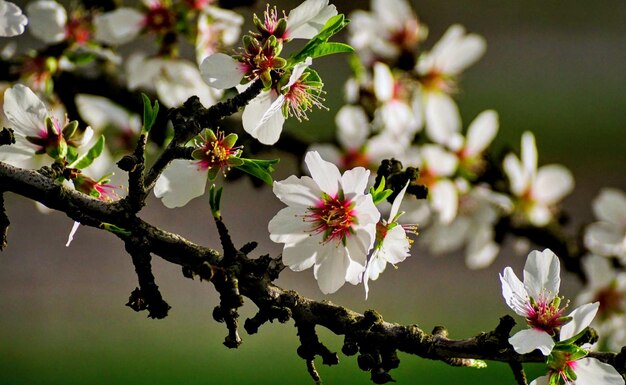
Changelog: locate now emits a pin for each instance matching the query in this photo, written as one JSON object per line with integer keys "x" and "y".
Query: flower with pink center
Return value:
{"x": 392, "y": 244}
{"x": 264, "y": 116}
{"x": 36, "y": 132}
{"x": 185, "y": 179}
{"x": 568, "y": 363}
{"x": 536, "y": 299}
{"x": 329, "y": 223}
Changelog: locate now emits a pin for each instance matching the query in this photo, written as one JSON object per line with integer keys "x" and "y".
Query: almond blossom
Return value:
{"x": 608, "y": 287}
{"x": 36, "y": 130}
{"x": 396, "y": 112}
{"x": 438, "y": 70}
{"x": 12, "y": 21}
{"x": 356, "y": 149}
{"x": 329, "y": 223}
{"x": 184, "y": 180}
{"x": 436, "y": 167}
{"x": 608, "y": 236}
{"x": 568, "y": 364}
{"x": 537, "y": 190}
{"x": 392, "y": 245}
{"x": 264, "y": 116}
{"x": 388, "y": 30}
{"x": 175, "y": 80}
{"x": 259, "y": 57}
{"x": 537, "y": 300}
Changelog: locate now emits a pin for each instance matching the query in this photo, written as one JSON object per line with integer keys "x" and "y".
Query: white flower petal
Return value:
{"x": 529, "y": 153}
{"x": 610, "y": 206}
{"x": 353, "y": 126}
{"x": 383, "y": 82}
{"x": 581, "y": 318}
{"x": 553, "y": 182}
{"x": 12, "y": 21}
{"x": 481, "y": 132}
{"x": 329, "y": 152}
{"x": 542, "y": 274}
{"x": 395, "y": 207}
{"x": 307, "y": 19}
{"x": 439, "y": 161}
{"x": 221, "y": 71}
{"x": 120, "y": 26}
{"x": 180, "y": 79}
{"x": 605, "y": 239}
{"x": 289, "y": 226}
{"x": 331, "y": 271}
{"x": 514, "y": 292}
{"x": 295, "y": 191}
{"x": 395, "y": 247}
{"x": 324, "y": 173}
{"x": 47, "y": 20}
{"x": 354, "y": 182}
{"x": 465, "y": 52}
{"x": 445, "y": 200}
{"x": 527, "y": 340}
{"x": 24, "y": 110}
{"x": 301, "y": 256}
{"x": 181, "y": 181}
{"x": 481, "y": 249}
{"x": 518, "y": 177}
{"x": 538, "y": 214}
{"x": 442, "y": 117}
{"x": 590, "y": 371}
{"x": 263, "y": 119}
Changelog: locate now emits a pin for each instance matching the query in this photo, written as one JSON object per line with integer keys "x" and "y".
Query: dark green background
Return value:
{"x": 556, "y": 68}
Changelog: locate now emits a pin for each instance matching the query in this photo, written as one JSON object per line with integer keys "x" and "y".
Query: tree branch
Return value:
{"x": 375, "y": 341}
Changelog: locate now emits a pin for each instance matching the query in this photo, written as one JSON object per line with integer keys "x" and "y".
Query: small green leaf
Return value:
{"x": 319, "y": 46}
{"x": 87, "y": 158}
{"x": 115, "y": 229}
{"x": 150, "y": 112}
{"x": 261, "y": 169}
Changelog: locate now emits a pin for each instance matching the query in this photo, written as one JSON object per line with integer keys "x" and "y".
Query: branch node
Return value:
{"x": 7, "y": 137}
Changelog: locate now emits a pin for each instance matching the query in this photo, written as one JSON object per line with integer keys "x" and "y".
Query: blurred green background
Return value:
{"x": 556, "y": 68}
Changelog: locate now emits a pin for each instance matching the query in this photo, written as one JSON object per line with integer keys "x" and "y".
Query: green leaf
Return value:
{"x": 150, "y": 112}
{"x": 319, "y": 46}
{"x": 115, "y": 229}
{"x": 87, "y": 158}
{"x": 261, "y": 169}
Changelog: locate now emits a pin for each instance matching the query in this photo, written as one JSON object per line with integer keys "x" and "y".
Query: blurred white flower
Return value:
{"x": 437, "y": 166}
{"x": 355, "y": 149}
{"x": 479, "y": 210}
{"x": 216, "y": 28}
{"x": 47, "y": 20}
{"x": 329, "y": 223}
{"x": 12, "y": 21}
{"x": 608, "y": 287}
{"x": 438, "y": 70}
{"x": 388, "y": 30}
{"x": 480, "y": 134}
{"x": 608, "y": 236}
{"x": 396, "y": 113}
{"x": 117, "y": 27}
{"x": 175, "y": 80}
{"x": 537, "y": 190}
